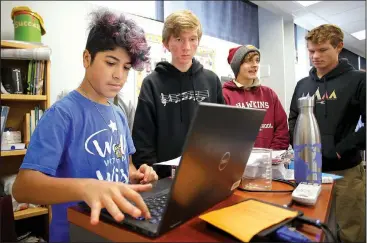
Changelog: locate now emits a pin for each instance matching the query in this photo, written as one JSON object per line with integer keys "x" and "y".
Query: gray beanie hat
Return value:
{"x": 237, "y": 54}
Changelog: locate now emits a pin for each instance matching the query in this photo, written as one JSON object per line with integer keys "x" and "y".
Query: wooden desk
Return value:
{"x": 196, "y": 230}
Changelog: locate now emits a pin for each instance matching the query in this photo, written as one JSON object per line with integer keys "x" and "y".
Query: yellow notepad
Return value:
{"x": 244, "y": 220}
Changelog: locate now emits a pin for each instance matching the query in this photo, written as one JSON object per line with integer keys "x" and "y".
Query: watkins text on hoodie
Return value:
{"x": 273, "y": 132}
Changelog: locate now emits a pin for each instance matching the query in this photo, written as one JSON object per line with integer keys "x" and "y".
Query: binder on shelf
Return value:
{"x": 4, "y": 118}
{"x": 35, "y": 116}
{"x": 27, "y": 129}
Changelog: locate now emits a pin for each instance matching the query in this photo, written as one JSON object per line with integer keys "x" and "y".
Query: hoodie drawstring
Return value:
{"x": 192, "y": 83}
{"x": 180, "y": 81}
{"x": 326, "y": 96}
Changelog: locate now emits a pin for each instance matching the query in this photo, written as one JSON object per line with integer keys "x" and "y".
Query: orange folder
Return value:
{"x": 246, "y": 219}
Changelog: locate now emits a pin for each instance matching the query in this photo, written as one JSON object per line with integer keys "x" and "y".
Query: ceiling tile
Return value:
{"x": 352, "y": 27}
{"x": 328, "y": 8}
{"x": 300, "y": 12}
{"x": 287, "y": 6}
{"x": 312, "y": 19}
{"x": 270, "y": 6}
{"x": 304, "y": 23}
{"x": 349, "y": 16}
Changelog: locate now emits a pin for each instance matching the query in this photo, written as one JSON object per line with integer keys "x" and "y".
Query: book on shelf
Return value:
{"x": 20, "y": 78}
{"x": 11, "y": 80}
{"x": 26, "y": 128}
{"x": 4, "y": 118}
{"x": 31, "y": 120}
{"x": 12, "y": 83}
{"x": 35, "y": 77}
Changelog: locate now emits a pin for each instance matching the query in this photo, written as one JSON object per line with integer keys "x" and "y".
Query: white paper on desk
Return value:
{"x": 289, "y": 175}
{"x": 256, "y": 164}
{"x": 277, "y": 153}
{"x": 254, "y": 158}
{"x": 172, "y": 162}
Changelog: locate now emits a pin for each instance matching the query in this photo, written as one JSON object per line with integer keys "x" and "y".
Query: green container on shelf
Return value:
{"x": 28, "y": 25}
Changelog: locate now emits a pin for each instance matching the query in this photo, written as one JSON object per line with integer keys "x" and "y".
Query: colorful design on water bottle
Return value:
{"x": 307, "y": 171}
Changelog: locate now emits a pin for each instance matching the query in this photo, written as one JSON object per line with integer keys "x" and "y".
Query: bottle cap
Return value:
{"x": 306, "y": 101}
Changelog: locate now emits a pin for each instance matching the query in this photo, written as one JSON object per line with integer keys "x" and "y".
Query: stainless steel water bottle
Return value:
{"x": 307, "y": 143}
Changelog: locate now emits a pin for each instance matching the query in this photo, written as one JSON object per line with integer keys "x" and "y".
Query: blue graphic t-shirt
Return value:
{"x": 78, "y": 138}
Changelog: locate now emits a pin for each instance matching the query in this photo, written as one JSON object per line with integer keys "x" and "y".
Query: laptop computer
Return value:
{"x": 215, "y": 153}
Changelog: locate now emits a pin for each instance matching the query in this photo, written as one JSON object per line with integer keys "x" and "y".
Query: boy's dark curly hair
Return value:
{"x": 109, "y": 31}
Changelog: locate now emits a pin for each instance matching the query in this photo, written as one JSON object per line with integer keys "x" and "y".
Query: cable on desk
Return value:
{"x": 290, "y": 204}
{"x": 327, "y": 231}
{"x": 315, "y": 223}
{"x": 320, "y": 225}
{"x": 287, "y": 234}
{"x": 278, "y": 191}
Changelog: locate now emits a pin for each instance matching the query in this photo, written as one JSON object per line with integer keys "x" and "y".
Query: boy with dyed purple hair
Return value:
{"x": 81, "y": 149}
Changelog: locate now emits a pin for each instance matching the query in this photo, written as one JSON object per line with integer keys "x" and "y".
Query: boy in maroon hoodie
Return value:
{"x": 245, "y": 91}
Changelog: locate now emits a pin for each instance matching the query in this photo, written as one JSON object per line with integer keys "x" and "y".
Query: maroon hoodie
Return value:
{"x": 274, "y": 129}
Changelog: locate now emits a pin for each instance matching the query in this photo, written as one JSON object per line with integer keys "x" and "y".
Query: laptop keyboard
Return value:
{"x": 156, "y": 206}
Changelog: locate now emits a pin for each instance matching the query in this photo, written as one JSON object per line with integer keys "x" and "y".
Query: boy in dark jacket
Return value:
{"x": 340, "y": 94}
{"x": 170, "y": 94}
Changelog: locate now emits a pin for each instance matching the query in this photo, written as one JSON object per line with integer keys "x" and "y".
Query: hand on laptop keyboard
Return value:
{"x": 156, "y": 206}
{"x": 115, "y": 198}
{"x": 145, "y": 174}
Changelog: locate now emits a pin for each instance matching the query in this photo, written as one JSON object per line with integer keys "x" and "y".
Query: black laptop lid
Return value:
{"x": 217, "y": 147}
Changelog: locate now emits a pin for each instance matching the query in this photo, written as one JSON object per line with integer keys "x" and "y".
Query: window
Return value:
{"x": 235, "y": 21}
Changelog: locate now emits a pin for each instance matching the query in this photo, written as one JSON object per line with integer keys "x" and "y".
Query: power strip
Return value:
{"x": 306, "y": 193}
{"x": 327, "y": 180}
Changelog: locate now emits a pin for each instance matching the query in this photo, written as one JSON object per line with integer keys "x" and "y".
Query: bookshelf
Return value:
{"x": 17, "y": 44}
{"x": 31, "y": 219}
{"x": 22, "y": 97}
{"x": 13, "y": 152}
{"x": 30, "y": 212}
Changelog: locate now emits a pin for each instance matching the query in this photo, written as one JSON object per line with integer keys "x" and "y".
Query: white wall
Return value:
{"x": 303, "y": 65}
{"x": 289, "y": 63}
{"x": 222, "y": 68}
{"x": 277, "y": 46}
{"x": 66, "y": 34}
{"x": 272, "y": 51}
